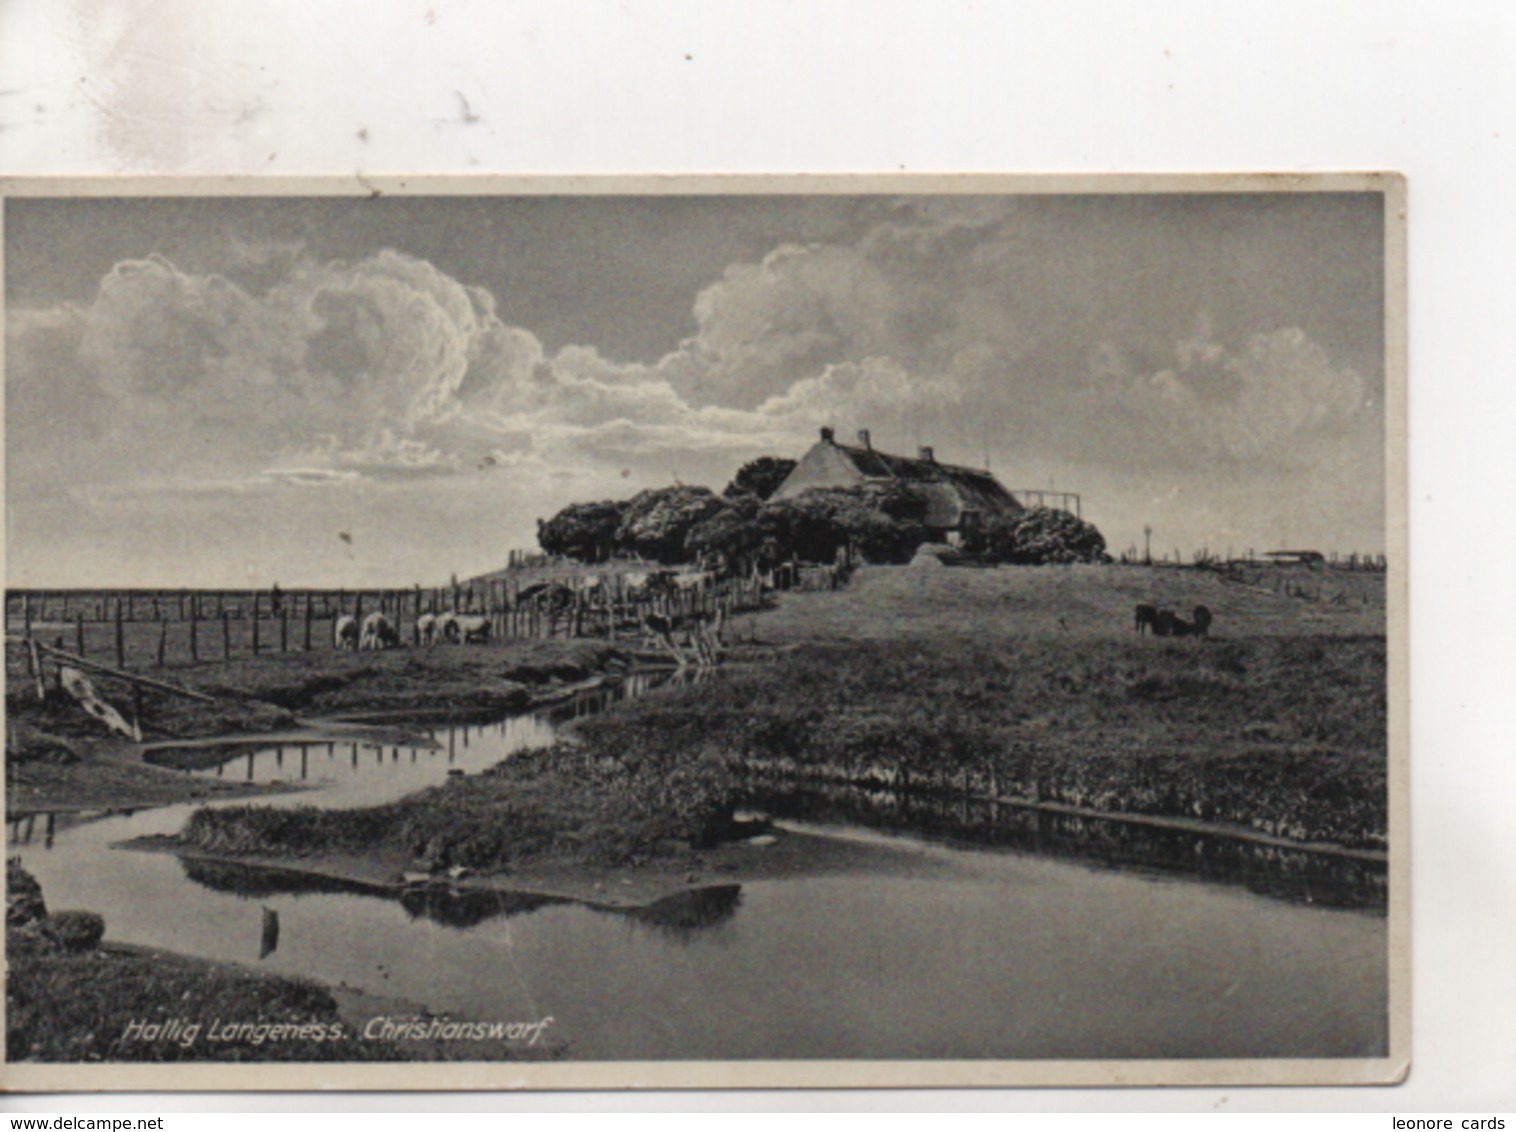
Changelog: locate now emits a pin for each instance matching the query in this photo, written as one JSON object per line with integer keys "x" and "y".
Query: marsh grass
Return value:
{"x": 1021, "y": 683}
{"x": 1279, "y": 735}
{"x": 565, "y": 803}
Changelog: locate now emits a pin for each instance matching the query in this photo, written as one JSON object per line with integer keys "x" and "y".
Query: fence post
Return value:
{"x": 194, "y": 624}
{"x": 120, "y": 639}
{"x": 284, "y": 629}
{"x": 226, "y": 635}
{"x": 79, "y": 633}
{"x": 162, "y": 641}
{"x": 308, "y": 622}
{"x": 256, "y": 642}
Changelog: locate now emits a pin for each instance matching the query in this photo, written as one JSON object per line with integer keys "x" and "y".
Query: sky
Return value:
{"x": 368, "y": 392}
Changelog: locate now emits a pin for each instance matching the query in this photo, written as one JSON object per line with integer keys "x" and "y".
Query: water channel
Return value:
{"x": 1012, "y": 948}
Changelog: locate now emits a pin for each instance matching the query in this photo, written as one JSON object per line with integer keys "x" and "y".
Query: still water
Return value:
{"x": 933, "y": 951}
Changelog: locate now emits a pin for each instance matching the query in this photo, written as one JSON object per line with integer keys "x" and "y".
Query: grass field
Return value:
{"x": 1016, "y": 682}
{"x": 1083, "y": 602}
{"x": 1032, "y": 683}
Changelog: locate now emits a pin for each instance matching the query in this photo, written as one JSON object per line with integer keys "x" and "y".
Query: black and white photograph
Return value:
{"x": 940, "y": 630}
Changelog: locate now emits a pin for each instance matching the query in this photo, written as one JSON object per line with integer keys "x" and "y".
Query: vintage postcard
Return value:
{"x": 835, "y": 631}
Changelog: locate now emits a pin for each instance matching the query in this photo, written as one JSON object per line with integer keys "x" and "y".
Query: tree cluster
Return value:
{"x": 1042, "y": 536}
{"x": 746, "y": 527}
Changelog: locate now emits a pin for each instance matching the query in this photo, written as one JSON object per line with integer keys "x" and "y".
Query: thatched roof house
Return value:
{"x": 958, "y": 500}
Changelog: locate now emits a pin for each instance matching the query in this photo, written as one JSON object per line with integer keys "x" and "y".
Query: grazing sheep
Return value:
{"x": 464, "y": 628}
{"x": 378, "y": 633}
{"x": 345, "y": 632}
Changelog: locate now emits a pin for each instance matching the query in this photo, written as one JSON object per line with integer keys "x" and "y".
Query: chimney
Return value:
{"x": 863, "y": 438}
{"x": 925, "y": 453}
{"x": 828, "y": 435}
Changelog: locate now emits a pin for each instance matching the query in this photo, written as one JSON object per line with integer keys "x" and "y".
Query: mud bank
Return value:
{"x": 663, "y": 891}
{"x": 59, "y": 759}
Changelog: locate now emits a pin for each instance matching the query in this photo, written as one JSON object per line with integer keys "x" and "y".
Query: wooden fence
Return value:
{"x": 166, "y": 628}
{"x": 1353, "y": 563}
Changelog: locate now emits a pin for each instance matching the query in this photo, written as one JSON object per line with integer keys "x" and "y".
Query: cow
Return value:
{"x": 464, "y": 628}
{"x": 1165, "y": 624}
{"x": 1202, "y": 617}
{"x": 378, "y": 633}
{"x": 1146, "y": 616}
{"x": 426, "y": 628}
{"x": 345, "y": 632}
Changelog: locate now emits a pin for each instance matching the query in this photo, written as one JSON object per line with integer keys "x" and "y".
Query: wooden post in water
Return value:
{"x": 120, "y": 639}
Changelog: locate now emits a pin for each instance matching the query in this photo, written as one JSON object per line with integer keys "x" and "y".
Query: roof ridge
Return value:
{"x": 933, "y": 463}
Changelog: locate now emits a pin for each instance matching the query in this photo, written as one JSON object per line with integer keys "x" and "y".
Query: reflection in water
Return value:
{"x": 268, "y": 943}
{"x": 24, "y": 829}
{"x": 685, "y": 914}
{"x": 1297, "y": 875}
{"x": 681, "y": 915}
{"x": 253, "y": 881}
{"x": 468, "y": 907}
{"x": 376, "y": 772}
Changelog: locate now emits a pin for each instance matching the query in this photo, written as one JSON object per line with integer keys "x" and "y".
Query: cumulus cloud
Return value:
{"x": 946, "y": 320}
{"x": 1274, "y": 400}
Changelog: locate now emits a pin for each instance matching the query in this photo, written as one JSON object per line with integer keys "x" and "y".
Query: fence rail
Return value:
{"x": 144, "y": 628}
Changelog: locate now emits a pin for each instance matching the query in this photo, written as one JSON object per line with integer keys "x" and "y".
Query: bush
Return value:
{"x": 1043, "y": 536}
{"x": 881, "y": 522}
{"x": 759, "y": 479}
{"x": 75, "y": 931}
{"x": 585, "y": 531}
{"x": 23, "y": 896}
{"x": 657, "y": 523}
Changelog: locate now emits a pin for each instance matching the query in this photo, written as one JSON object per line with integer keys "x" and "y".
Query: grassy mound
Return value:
{"x": 593, "y": 805}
